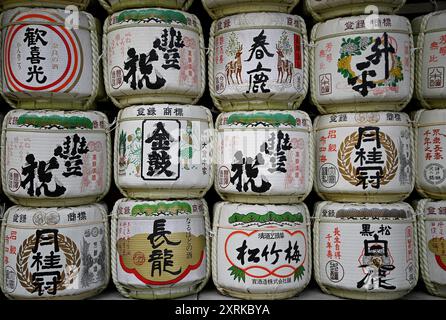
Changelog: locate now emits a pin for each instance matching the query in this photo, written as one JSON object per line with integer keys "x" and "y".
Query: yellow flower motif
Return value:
{"x": 396, "y": 73}
{"x": 345, "y": 63}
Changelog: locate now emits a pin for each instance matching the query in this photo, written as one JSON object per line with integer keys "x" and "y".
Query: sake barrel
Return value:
{"x": 431, "y": 225}
{"x": 430, "y": 59}
{"x": 153, "y": 56}
{"x": 364, "y": 157}
{"x": 365, "y": 251}
{"x": 261, "y": 251}
{"x": 362, "y": 64}
{"x": 79, "y": 4}
{"x": 49, "y": 59}
{"x": 430, "y": 141}
{"x": 160, "y": 249}
{"x": 258, "y": 61}
{"x": 55, "y": 253}
{"x": 222, "y": 8}
{"x": 264, "y": 156}
{"x": 55, "y": 158}
{"x": 327, "y": 9}
{"x": 117, "y": 5}
{"x": 164, "y": 151}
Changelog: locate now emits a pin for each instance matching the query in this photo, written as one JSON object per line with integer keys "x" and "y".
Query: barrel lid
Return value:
{"x": 264, "y": 119}
{"x": 431, "y": 117}
{"x": 340, "y": 26}
{"x": 363, "y": 211}
{"x": 59, "y": 120}
{"x": 264, "y": 216}
{"x": 362, "y": 119}
{"x": 20, "y": 216}
{"x": 137, "y": 208}
{"x": 260, "y": 19}
{"x": 154, "y": 16}
{"x": 174, "y": 111}
{"x": 435, "y": 21}
{"x": 43, "y": 16}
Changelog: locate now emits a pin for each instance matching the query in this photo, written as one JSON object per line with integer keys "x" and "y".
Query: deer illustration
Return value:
{"x": 235, "y": 66}
{"x": 283, "y": 66}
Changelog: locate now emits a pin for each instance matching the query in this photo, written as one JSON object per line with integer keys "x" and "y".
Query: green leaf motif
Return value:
{"x": 299, "y": 273}
{"x": 237, "y": 273}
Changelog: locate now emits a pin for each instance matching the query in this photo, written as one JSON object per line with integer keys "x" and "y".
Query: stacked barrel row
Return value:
{"x": 55, "y": 154}
{"x": 368, "y": 161}
{"x": 258, "y": 76}
{"x": 154, "y": 70}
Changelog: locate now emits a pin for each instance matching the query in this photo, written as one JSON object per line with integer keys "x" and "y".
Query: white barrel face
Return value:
{"x": 366, "y": 248}
{"x": 258, "y": 59}
{"x": 223, "y": 8}
{"x": 430, "y": 145}
{"x": 161, "y": 246}
{"x": 361, "y": 67}
{"x": 431, "y": 67}
{"x": 267, "y": 154}
{"x": 261, "y": 249}
{"x": 50, "y": 253}
{"x": 44, "y": 59}
{"x": 364, "y": 156}
{"x": 55, "y": 157}
{"x": 167, "y": 147}
{"x": 432, "y": 242}
{"x": 154, "y": 55}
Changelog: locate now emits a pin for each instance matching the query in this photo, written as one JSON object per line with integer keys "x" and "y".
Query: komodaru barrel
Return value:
{"x": 222, "y": 8}
{"x": 264, "y": 156}
{"x": 164, "y": 151}
{"x": 160, "y": 249}
{"x": 365, "y": 251}
{"x": 117, "y": 5}
{"x": 55, "y": 158}
{"x": 54, "y": 253}
{"x": 431, "y": 216}
{"x": 50, "y": 59}
{"x": 430, "y": 144}
{"x": 79, "y": 4}
{"x": 258, "y": 61}
{"x": 153, "y": 56}
{"x": 362, "y": 63}
{"x": 430, "y": 64}
{"x": 364, "y": 157}
{"x": 261, "y": 251}
{"x": 327, "y": 9}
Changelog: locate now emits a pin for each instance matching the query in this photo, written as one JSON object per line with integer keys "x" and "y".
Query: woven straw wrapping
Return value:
{"x": 173, "y": 91}
{"x": 222, "y": 8}
{"x": 117, "y": 5}
{"x": 350, "y": 290}
{"x": 339, "y": 99}
{"x": 285, "y": 188}
{"x": 423, "y": 223}
{"x": 191, "y": 183}
{"x": 242, "y": 288}
{"x": 72, "y": 98}
{"x": 283, "y": 95}
{"x": 425, "y": 121}
{"x": 74, "y": 293}
{"x": 428, "y": 29}
{"x": 348, "y": 187}
{"x": 80, "y": 4}
{"x": 81, "y": 194}
{"x": 322, "y": 10}
{"x": 150, "y": 292}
